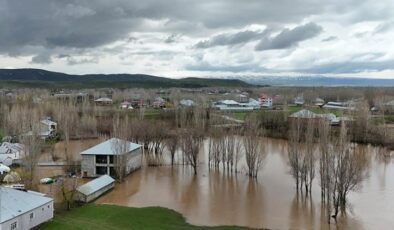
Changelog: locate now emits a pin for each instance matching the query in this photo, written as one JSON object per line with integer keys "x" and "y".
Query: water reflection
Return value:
{"x": 216, "y": 197}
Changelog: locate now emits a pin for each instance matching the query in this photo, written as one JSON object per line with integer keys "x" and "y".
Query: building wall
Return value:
{"x": 40, "y": 215}
{"x": 88, "y": 165}
{"x": 134, "y": 160}
{"x": 97, "y": 194}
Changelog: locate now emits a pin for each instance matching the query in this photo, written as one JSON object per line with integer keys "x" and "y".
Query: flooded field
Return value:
{"x": 221, "y": 198}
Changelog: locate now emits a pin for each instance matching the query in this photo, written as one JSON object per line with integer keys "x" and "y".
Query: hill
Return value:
{"x": 38, "y": 78}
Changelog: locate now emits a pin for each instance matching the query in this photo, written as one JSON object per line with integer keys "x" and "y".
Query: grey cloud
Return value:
{"x": 205, "y": 66}
{"x": 43, "y": 58}
{"x": 384, "y": 27}
{"x": 172, "y": 38}
{"x": 350, "y": 67}
{"x": 329, "y": 39}
{"x": 290, "y": 38}
{"x": 232, "y": 38}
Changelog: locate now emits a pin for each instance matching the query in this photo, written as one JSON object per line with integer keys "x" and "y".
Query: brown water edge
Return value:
{"x": 221, "y": 198}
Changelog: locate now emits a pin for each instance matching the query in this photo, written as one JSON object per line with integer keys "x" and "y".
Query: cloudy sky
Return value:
{"x": 178, "y": 38}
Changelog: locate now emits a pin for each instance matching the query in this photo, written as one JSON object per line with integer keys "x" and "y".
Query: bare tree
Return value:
{"x": 254, "y": 151}
{"x": 172, "y": 143}
{"x": 33, "y": 146}
{"x": 191, "y": 144}
{"x": 120, "y": 146}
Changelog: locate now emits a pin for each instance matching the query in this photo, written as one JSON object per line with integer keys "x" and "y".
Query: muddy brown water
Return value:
{"x": 220, "y": 198}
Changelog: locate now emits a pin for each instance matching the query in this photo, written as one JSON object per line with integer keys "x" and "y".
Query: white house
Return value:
{"x": 339, "y": 105}
{"x": 126, "y": 105}
{"x": 11, "y": 153}
{"x": 101, "y": 159}
{"x": 4, "y": 169}
{"x": 299, "y": 100}
{"x": 265, "y": 100}
{"x": 186, "y": 103}
{"x": 94, "y": 189}
{"x": 103, "y": 101}
{"x": 231, "y": 105}
{"x": 47, "y": 128}
{"x": 21, "y": 210}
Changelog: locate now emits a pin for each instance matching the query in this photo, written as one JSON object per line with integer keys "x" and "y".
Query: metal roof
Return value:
{"x": 95, "y": 185}
{"x": 107, "y": 147}
{"x": 14, "y": 202}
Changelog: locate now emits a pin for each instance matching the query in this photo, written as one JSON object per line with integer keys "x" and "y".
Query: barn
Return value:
{"x": 94, "y": 189}
{"x": 23, "y": 209}
{"x": 101, "y": 159}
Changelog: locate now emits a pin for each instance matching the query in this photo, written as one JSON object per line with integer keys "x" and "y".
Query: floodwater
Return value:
{"x": 221, "y": 198}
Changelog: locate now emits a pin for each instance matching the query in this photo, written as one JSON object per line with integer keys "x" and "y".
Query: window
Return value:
{"x": 101, "y": 159}
{"x": 31, "y": 216}
{"x": 101, "y": 170}
{"x": 13, "y": 226}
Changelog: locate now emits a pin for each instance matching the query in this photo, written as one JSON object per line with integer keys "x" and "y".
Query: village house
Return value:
{"x": 126, "y": 105}
{"x": 299, "y": 100}
{"x": 231, "y": 105}
{"x": 4, "y": 169}
{"x": 23, "y": 209}
{"x": 48, "y": 128}
{"x": 304, "y": 115}
{"x": 319, "y": 102}
{"x": 94, "y": 189}
{"x": 100, "y": 159}
{"x": 159, "y": 102}
{"x": 103, "y": 101}
{"x": 265, "y": 100}
{"x": 186, "y": 103}
{"x": 11, "y": 153}
{"x": 340, "y": 105}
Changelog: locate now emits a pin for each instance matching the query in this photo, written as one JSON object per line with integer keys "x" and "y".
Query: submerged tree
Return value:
{"x": 191, "y": 144}
{"x": 253, "y": 148}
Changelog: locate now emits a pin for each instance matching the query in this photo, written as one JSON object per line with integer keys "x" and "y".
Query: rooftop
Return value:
{"x": 14, "y": 202}
{"x": 107, "y": 147}
{"x": 95, "y": 185}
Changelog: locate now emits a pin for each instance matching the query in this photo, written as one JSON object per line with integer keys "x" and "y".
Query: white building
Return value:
{"x": 231, "y": 105}
{"x": 339, "y": 106}
{"x": 47, "y": 128}
{"x": 21, "y": 210}
{"x": 11, "y": 153}
{"x": 187, "y": 103}
{"x": 4, "y": 169}
{"x": 265, "y": 100}
{"x": 94, "y": 189}
{"x": 100, "y": 159}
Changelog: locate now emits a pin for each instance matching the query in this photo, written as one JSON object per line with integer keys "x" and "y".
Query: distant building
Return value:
{"x": 319, "y": 102}
{"x": 242, "y": 98}
{"x": 48, "y": 128}
{"x": 299, "y": 100}
{"x": 4, "y": 169}
{"x": 159, "y": 102}
{"x": 339, "y": 105}
{"x": 103, "y": 101}
{"x": 265, "y": 100}
{"x": 231, "y": 105}
{"x": 11, "y": 153}
{"x": 126, "y": 105}
{"x": 94, "y": 189}
{"x": 23, "y": 210}
{"x": 187, "y": 103}
{"x": 305, "y": 115}
{"x": 100, "y": 159}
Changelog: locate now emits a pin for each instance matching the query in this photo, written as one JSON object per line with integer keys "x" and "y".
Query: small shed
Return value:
{"x": 94, "y": 189}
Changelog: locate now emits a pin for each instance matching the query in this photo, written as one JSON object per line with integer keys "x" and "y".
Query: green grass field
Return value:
{"x": 98, "y": 217}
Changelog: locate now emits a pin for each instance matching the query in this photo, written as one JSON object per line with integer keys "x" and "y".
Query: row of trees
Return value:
{"x": 342, "y": 167}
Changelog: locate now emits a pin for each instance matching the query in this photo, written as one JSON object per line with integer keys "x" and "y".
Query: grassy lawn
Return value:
{"x": 98, "y": 217}
{"x": 240, "y": 115}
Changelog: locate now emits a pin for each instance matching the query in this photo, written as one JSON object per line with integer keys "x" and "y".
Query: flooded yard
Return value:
{"x": 221, "y": 198}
